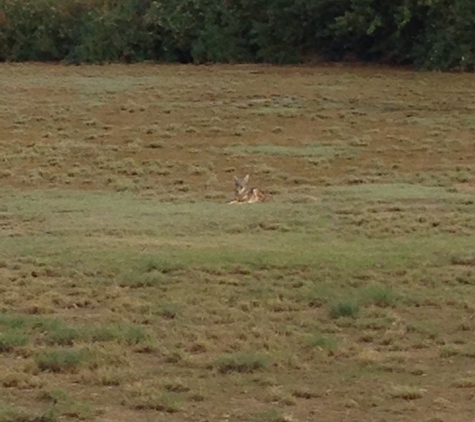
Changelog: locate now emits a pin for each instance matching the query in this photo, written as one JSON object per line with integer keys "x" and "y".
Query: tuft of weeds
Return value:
{"x": 450, "y": 351}
{"x": 275, "y": 394}
{"x": 9, "y": 413}
{"x": 62, "y": 405}
{"x": 137, "y": 281}
{"x": 156, "y": 145}
{"x": 12, "y": 339}
{"x": 463, "y": 260}
{"x": 62, "y": 360}
{"x": 196, "y": 170}
{"x": 169, "y": 310}
{"x": 163, "y": 266}
{"x": 427, "y": 329}
{"x": 406, "y": 392}
{"x": 302, "y": 393}
{"x": 343, "y": 309}
{"x": 129, "y": 334}
{"x": 271, "y": 415}
{"x": 105, "y": 376}
{"x": 242, "y": 362}
{"x": 142, "y": 396}
{"x": 20, "y": 380}
{"x": 326, "y": 343}
{"x": 64, "y": 336}
{"x": 379, "y": 295}
{"x": 468, "y": 382}
{"x": 175, "y": 386}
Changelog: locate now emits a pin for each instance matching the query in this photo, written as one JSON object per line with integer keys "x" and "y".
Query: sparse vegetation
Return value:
{"x": 379, "y": 295}
{"x": 12, "y": 339}
{"x": 271, "y": 415}
{"x": 61, "y": 360}
{"x": 324, "y": 342}
{"x": 241, "y": 362}
{"x": 9, "y": 413}
{"x": 60, "y": 404}
{"x": 407, "y": 392}
{"x": 150, "y": 397}
{"x": 129, "y": 290}
{"x": 344, "y": 309}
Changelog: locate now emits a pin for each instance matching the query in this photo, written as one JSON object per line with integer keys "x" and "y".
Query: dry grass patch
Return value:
{"x": 407, "y": 392}
{"x": 243, "y": 362}
{"x": 468, "y": 382}
{"x": 149, "y": 396}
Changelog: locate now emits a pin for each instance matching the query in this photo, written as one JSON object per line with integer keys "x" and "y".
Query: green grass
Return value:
{"x": 343, "y": 309}
{"x": 379, "y": 295}
{"x": 130, "y": 334}
{"x": 271, "y": 415}
{"x": 57, "y": 332}
{"x": 327, "y": 343}
{"x": 9, "y": 413}
{"x": 191, "y": 235}
{"x": 61, "y": 405}
{"x": 11, "y": 339}
{"x": 143, "y": 397}
{"x": 62, "y": 360}
{"x": 130, "y": 288}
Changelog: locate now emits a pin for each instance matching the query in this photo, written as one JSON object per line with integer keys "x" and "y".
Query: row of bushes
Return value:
{"x": 433, "y": 34}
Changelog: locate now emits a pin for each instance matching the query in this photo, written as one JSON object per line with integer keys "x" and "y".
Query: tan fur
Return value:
{"x": 245, "y": 195}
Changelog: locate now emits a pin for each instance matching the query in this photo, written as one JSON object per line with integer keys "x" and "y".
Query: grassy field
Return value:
{"x": 130, "y": 290}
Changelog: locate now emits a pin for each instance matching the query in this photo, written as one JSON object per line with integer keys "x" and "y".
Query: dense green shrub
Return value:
{"x": 114, "y": 32}
{"x": 433, "y": 34}
{"x": 448, "y": 40}
{"x": 33, "y": 30}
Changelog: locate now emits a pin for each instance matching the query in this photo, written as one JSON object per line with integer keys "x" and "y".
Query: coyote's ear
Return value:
{"x": 245, "y": 181}
{"x": 236, "y": 180}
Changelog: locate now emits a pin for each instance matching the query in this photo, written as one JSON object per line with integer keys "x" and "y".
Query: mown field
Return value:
{"x": 131, "y": 291}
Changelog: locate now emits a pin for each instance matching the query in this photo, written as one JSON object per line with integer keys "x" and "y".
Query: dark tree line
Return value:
{"x": 431, "y": 34}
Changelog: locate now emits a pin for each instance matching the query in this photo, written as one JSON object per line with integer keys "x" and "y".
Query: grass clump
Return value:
{"x": 150, "y": 397}
{"x": 323, "y": 342}
{"x": 9, "y": 413}
{"x": 62, "y": 361}
{"x": 449, "y": 351}
{"x": 136, "y": 281}
{"x": 468, "y": 382}
{"x": 163, "y": 266}
{"x": 343, "y": 309}
{"x": 54, "y": 331}
{"x": 130, "y": 334}
{"x": 12, "y": 339}
{"x": 64, "y": 336}
{"x": 62, "y": 405}
{"x": 242, "y": 362}
{"x": 20, "y": 380}
{"x": 378, "y": 295}
{"x": 407, "y": 392}
{"x": 271, "y": 415}
{"x": 169, "y": 310}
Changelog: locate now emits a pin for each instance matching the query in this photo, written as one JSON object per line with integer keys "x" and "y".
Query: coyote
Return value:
{"x": 245, "y": 195}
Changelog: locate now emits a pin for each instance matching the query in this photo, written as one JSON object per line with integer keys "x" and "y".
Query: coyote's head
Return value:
{"x": 240, "y": 186}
